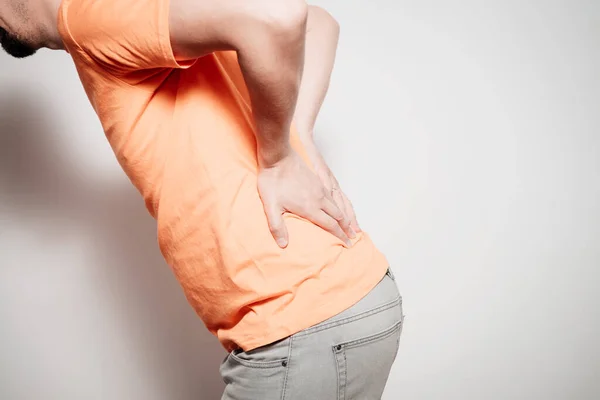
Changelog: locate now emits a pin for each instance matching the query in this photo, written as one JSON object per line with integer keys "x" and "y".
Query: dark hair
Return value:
{"x": 14, "y": 46}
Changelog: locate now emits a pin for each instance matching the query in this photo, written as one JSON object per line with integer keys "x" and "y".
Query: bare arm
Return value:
{"x": 322, "y": 33}
{"x": 269, "y": 37}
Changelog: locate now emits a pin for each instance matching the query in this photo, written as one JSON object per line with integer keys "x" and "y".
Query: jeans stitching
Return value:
{"x": 341, "y": 370}
{"x": 337, "y": 368}
{"x": 353, "y": 318}
{"x": 258, "y": 364}
{"x": 287, "y": 368}
{"x": 345, "y": 375}
{"x": 373, "y": 338}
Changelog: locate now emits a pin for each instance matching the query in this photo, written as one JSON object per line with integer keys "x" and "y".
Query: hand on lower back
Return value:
{"x": 330, "y": 182}
{"x": 290, "y": 186}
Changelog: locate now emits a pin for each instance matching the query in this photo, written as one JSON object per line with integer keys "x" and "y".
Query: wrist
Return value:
{"x": 305, "y": 135}
{"x": 269, "y": 155}
{"x": 311, "y": 149}
{"x": 309, "y": 144}
{"x": 306, "y": 138}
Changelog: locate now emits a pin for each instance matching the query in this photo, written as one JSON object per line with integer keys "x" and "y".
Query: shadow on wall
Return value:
{"x": 41, "y": 187}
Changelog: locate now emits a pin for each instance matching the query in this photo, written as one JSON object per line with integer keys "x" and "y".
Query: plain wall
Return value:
{"x": 465, "y": 132}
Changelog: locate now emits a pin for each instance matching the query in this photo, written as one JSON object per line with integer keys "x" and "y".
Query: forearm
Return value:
{"x": 272, "y": 63}
{"x": 269, "y": 37}
{"x": 322, "y": 35}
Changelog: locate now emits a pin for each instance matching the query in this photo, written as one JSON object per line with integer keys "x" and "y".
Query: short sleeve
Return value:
{"x": 122, "y": 35}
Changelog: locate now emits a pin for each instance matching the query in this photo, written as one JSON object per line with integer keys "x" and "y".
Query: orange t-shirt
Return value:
{"x": 182, "y": 132}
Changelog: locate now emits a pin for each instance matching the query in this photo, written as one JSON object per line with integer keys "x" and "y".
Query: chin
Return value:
{"x": 15, "y": 47}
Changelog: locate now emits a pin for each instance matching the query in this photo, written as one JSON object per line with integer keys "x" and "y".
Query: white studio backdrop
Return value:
{"x": 465, "y": 132}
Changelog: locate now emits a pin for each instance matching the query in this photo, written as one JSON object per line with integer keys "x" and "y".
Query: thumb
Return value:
{"x": 277, "y": 226}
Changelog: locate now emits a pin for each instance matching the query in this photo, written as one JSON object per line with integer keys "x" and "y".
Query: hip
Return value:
{"x": 345, "y": 356}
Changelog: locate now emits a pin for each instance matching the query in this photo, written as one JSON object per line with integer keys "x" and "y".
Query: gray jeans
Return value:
{"x": 347, "y": 357}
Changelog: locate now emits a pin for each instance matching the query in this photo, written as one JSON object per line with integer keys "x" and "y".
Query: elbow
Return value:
{"x": 283, "y": 19}
{"x": 268, "y": 27}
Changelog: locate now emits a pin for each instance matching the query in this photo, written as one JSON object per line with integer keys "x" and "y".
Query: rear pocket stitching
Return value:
{"x": 373, "y": 338}
{"x": 261, "y": 364}
{"x": 258, "y": 364}
{"x": 343, "y": 321}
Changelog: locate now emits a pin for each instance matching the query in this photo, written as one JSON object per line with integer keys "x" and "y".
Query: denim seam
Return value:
{"x": 287, "y": 368}
{"x": 258, "y": 364}
{"x": 353, "y": 318}
{"x": 373, "y": 338}
{"x": 337, "y": 368}
{"x": 345, "y": 388}
{"x": 341, "y": 365}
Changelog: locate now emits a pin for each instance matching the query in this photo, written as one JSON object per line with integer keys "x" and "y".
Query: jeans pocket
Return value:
{"x": 256, "y": 374}
{"x": 364, "y": 365}
{"x": 271, "y": 355}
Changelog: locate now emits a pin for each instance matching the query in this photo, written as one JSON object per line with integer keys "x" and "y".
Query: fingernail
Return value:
{"x": 352, "y": 233}
{"x": 282, "y": 242}
{"x": 349, "y": 243}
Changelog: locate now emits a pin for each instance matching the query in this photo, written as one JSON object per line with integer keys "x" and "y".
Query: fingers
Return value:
{"x": 329, "y": 218}
{"x": 277, "y": 226}
{"x": 350, "y": 213}
{"x": 334, "y": 211}
{"x": 331, "y": 225}
{"x": 339, "y": 199}
{"x": 336, "y": 195}
{"x": 292, "y": 187}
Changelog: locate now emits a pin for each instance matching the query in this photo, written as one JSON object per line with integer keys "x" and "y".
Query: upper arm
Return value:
{"x": 199, "y": 27}
{"x": 129, "y": 35}
{"x": 123, "y": 36}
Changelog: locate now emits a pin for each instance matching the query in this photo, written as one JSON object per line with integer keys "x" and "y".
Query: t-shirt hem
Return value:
{"x": 290, "y": 326}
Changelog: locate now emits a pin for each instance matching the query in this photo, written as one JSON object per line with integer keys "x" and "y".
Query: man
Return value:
{"x": 197, "y": 99}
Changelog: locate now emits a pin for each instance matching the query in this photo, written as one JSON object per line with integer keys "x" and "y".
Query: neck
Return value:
{"x": 48, "y": 25}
